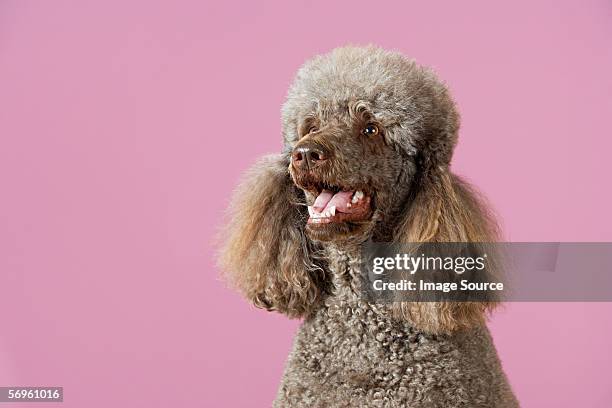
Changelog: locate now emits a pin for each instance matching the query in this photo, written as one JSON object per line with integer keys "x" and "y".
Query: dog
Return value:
{"x": 368, "y": 140}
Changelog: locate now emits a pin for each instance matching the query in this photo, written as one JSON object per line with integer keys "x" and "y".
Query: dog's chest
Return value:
{"x": 351, "y": 353}
{"x": 356, "y": 342}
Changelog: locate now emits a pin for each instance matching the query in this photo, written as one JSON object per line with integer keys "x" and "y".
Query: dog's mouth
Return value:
{"x": 334, "y": 204}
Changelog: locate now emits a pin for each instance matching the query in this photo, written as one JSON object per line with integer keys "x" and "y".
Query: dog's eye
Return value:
{"x": 370, "y": 130}
{"x": 312, "y": 129}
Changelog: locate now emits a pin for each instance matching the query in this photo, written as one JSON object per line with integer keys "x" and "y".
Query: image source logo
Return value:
{"x": 461, "y": 272}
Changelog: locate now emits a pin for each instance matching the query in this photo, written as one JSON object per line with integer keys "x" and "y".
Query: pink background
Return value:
{"x": 124, "y": 126}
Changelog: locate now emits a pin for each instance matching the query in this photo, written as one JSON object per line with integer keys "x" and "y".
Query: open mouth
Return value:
{"x": 336, "y": 205}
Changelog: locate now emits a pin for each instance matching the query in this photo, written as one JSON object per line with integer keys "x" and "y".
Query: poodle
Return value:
{"x": 368, "y": 139}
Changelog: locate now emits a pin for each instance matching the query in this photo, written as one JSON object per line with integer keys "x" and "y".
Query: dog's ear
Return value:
{"x": 444, "y": 208}
{"x": 265, "y": 251}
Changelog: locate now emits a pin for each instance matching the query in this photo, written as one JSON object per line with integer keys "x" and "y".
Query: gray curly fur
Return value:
{"x": 348, "y": 352}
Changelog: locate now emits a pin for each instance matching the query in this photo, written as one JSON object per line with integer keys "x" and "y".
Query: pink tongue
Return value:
{"x": 328, "y": 199}
{"x": 340, "y": 200}
{"x": 322, "y": 200}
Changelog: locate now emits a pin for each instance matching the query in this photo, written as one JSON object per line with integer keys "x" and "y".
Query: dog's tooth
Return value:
{"x": 357, "y": 196}
{"x": 332, "y": 210}
{"x": 311, "y": 211}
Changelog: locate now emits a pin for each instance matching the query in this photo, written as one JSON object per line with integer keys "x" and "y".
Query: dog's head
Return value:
{"x": 362, "y": 126}
{"x": 368, "y": 138}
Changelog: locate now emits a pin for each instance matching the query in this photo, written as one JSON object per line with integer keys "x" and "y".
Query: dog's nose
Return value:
{"x": 307, "y": 156}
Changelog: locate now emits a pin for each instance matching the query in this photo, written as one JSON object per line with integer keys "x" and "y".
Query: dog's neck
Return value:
{"x": 344, "y": 263}
{"x": 344, "y": 258}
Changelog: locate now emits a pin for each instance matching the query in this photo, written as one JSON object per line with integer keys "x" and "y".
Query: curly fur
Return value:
{"x": 270, "y": 258}
{"x": 349, "y": 352}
